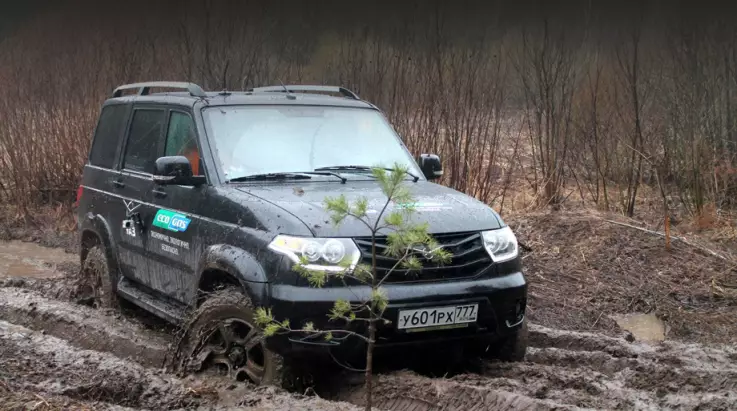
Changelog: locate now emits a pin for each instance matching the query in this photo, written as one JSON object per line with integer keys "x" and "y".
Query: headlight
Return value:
{"x": 327, "y": 254}
{"x": 501, "y": 244}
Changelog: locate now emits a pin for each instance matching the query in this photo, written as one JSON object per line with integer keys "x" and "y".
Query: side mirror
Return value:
{"x": 176, "y": 170}
{"x": 431, "y": 166}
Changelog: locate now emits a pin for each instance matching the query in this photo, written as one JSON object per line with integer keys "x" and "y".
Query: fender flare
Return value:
{"x": 238, "y": 263}
{"x": 96, "y": 224}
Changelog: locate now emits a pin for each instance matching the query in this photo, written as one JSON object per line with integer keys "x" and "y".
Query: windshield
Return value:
{"x": 277, "y": 139}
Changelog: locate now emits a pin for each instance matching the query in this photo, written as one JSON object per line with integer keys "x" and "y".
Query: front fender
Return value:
{"x": 239, "y": 264}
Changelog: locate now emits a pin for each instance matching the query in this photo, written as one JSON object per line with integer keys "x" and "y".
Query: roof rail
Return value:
{"x": 290, "y": 89}
{"x": 144, "y": 88}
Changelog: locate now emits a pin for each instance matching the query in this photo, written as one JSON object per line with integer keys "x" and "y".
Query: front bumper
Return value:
{"x": 502, "y": 302}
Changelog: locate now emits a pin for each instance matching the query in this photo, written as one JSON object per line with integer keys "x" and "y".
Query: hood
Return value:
{"x": 444, "y": 209}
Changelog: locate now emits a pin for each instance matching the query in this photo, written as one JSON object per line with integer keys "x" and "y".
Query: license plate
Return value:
{"x": 422, "y": 319}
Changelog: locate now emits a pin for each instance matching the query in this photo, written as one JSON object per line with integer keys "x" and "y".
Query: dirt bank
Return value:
{"x": 53, "y": 227}
{"x": 584, "y": 270}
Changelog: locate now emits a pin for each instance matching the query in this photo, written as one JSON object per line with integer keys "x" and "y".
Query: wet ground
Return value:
{"x": 57, "y": 354}
{"x": 644, "y": 327}
{"x": 21, "y": 259}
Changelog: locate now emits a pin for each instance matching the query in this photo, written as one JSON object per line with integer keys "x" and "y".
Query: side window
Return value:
{"x": 141, "y": 149}
{"x": 181, "y": 140}
{"x": 109, "y": 129}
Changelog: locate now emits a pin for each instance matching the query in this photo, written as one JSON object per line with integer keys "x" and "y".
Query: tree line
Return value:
{"x": 620, "y": 108}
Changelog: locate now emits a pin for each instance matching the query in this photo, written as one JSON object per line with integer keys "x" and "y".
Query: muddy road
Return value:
{"x": 56, "y": 353}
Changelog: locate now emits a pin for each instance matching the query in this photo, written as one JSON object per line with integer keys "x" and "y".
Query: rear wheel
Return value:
{"x": 97, "y": 283}
{"x": 223, "y": 338}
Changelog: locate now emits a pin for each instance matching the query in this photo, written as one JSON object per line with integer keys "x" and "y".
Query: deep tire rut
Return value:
{"x": 86, "y": 327}
{"x": 62, "y": 350}
{"x": 566, "y": 370}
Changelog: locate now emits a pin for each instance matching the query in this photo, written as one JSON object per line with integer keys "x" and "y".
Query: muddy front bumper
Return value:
{"x": 501, "y": 309}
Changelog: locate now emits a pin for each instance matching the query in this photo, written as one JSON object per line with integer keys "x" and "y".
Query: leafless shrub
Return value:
{"x": 546, "y": 66}
{"x": 523, "y": 114}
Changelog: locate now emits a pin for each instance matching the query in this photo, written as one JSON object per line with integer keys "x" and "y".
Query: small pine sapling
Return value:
{"x": 402, "y": 236}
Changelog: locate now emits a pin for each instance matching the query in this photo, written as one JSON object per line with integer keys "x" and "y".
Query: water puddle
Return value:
{"x": 20, "y": 259}
{"x": 645, "y": 327}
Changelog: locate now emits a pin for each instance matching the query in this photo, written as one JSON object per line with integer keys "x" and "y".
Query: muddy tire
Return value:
{"x": 512, "y": 348}
{"x": 97, "y": 285}
{"x": 222, "y": 338}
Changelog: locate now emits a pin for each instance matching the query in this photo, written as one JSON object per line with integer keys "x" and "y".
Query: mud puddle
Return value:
{"x": 644, "y": 327}
{"x": 30, "y": 260}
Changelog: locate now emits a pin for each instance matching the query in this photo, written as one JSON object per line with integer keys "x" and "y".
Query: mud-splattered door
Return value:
{"x": 135, "y": 185}
{"x": 173, "y": 239}
{"x": 128, "y": 220}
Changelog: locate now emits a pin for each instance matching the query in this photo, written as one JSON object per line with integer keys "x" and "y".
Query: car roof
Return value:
{"x": 244, "y": 98}
{"x": 269, "y": 95}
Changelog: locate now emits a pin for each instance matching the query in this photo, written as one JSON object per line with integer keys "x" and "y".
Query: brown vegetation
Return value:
{"x": 591, "y": 107}
{"x": 627, "y": 112}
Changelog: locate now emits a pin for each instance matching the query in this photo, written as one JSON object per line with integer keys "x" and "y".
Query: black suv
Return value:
{"x": 196, "y": 205}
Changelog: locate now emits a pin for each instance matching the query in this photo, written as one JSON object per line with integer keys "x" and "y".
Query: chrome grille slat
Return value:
{"x": 469, "y": 259}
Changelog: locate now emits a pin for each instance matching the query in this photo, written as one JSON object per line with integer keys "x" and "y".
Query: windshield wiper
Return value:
{"x": 271, "y": 176}
{"x": 328, "y": 173}
{"x": 300, "y": 175}
{"x": 364, "y": 168}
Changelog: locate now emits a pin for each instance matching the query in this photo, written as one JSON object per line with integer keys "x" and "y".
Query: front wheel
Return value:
{"x": 514, "y": 347}
{"x": 511, "y": 348}
{"x": 223, "y": 338}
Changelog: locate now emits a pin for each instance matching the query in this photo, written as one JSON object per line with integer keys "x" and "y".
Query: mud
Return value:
{"x": 50, "y": 227}
{"x": 586, "y": 272}
{"x": 627, "y": 375}
{"x": 645, "y": 327}
{"x": 100, "y": 332}
{"x": 111, "y": 361}
{"x": 34, "y": 362}
{"x": 58, "y": 354}
{"x": 21, "y": 259}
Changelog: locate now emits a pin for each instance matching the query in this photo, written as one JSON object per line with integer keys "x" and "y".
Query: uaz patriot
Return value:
{"x": 196, "y": 205}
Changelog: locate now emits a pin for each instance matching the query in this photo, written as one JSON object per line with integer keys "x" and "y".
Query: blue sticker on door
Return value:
{"x": 171, "y": 221}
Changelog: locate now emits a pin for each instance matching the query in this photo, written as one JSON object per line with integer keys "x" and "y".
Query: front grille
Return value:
{"x": 469, "y": 259}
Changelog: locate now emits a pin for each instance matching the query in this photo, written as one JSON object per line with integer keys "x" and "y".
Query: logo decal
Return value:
{"x": 171, "y": 221}
{"x": 130, "y": 207}
{"x": 424, "y": 250}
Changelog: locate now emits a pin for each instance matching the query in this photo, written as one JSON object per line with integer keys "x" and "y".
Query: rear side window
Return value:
{"x": 145, "y": 132}
{"x": 109, "y": 129}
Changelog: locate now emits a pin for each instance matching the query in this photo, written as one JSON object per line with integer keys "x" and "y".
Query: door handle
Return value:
{"x": 159, "y": 193}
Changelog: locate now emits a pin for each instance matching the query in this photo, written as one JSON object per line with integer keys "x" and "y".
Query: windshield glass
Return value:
{"x": 275, "y": 139}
